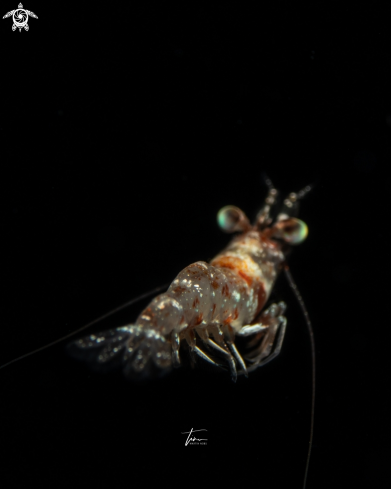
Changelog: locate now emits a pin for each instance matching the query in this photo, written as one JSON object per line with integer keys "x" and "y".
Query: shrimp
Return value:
{"x": 209, "y": 306}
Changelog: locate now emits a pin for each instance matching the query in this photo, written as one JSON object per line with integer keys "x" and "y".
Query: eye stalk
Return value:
{"x": 232, "y": 219}
{"x": 292, "y": 230}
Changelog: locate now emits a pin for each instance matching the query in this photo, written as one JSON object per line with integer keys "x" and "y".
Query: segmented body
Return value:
{"x": 230, "y": 291}
{"x": 217, "y": 300}
{"x": 221, "y": 300}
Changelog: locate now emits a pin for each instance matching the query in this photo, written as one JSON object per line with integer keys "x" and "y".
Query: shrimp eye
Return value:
{"x": 231, "y": 219}
{"x": 292, "y": 230}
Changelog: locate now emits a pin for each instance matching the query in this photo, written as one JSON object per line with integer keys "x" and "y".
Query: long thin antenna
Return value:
{"x": 312, "y": 340}
{"x": 110, "y": 313}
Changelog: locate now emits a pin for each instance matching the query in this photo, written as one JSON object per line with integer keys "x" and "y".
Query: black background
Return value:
{"x": 123, "y": 131}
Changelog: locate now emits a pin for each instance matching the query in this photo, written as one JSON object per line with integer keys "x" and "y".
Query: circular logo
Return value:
{"x": 20, "y": 17}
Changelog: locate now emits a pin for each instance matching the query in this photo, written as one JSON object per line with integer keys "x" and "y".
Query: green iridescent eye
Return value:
{"x": 231, "y": 219}
{"x": 292, "y": 230}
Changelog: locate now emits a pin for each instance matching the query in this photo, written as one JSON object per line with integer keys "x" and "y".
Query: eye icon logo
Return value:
{"x": 20, "y": 17}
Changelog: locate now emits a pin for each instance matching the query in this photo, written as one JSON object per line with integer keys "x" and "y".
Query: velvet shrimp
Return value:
{"x": 209, "y": 305}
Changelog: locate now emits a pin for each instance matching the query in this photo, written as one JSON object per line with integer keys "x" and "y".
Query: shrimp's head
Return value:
{"x": 282, "y": 225}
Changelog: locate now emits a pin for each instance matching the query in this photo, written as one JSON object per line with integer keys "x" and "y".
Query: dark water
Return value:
{"x": 123, "y": 132}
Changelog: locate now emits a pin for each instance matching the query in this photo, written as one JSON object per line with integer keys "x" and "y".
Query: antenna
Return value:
{"x": 312, "y": 340}
{"x": 110, "y": 313}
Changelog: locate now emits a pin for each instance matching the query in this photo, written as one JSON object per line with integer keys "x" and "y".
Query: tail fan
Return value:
{"x": 141, "y": 353}
{"x": 95, "y": 321}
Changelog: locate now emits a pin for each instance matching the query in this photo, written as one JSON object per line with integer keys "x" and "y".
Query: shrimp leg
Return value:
{"x": 237, "y": 355}
{"x": 262, "y": 359}
{"x": 175, "y": 342}
{"x": 190, "y": 338}
{"x": 250, "y": 330}
{"x": 205, "y": 357}
{"x": 223, "y": 350}
{"x": 270, "y": 345}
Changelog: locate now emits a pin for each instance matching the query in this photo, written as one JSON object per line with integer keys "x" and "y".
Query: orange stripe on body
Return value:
{"x": 242, "y": 269}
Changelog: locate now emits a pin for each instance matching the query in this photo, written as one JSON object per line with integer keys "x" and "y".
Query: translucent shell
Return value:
{"x": 292, "y": 230}
{"x": 232, "y": 219}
